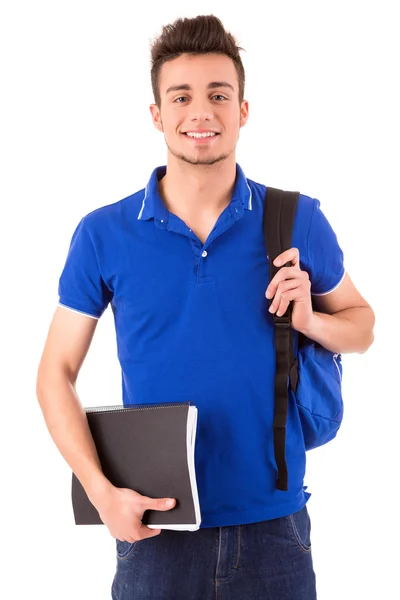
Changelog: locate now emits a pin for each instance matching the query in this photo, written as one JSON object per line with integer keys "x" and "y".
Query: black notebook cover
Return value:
{"x": 148, "y": 448}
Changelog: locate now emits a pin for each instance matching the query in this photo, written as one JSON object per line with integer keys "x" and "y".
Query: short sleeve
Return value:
{"x": 81, "y": 286}
{"x": 325, "y": 257}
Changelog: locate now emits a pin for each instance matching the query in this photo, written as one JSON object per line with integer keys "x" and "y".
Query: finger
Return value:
{"x": 300, "y": 293}
{"x": 284, "y": 295}
{"x": 286, "y": 273}
{"x": 292, "y": 255}
{"x": 283, "y": 306}
{"x": 158, "y": 503}
{"x": 148, "y": 531}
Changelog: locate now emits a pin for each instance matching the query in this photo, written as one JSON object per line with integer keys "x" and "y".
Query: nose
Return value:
{"x": 201, "y": 111}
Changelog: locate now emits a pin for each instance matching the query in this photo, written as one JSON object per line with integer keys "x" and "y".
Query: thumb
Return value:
{"x": 160, "y": 503}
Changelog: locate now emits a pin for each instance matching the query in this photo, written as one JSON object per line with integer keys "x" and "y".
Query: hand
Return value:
{"x": 291, "y": 284}
{"x": 121, "y": 510}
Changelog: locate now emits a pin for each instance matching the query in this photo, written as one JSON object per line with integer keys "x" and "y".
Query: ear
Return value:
{"x": 156, "y": 116}
{"x": 244, "y": 113}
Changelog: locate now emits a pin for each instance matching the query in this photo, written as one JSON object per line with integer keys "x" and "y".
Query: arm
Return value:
{"x": 344, "y": 321}
{"x": 67, "y": 344}
{"x": 340, "y": 320}
{"x": 68, "y": 341}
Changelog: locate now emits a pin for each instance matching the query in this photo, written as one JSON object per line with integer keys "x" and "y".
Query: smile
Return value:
{"x": 201, "y": 137}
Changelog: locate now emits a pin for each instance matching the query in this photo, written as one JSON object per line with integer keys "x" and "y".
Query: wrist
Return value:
{"x": 99, "y": 490}
{"x": 309, "y": 330}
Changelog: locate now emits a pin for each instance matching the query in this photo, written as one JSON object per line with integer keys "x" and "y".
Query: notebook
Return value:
{"x": 148, "y": 448}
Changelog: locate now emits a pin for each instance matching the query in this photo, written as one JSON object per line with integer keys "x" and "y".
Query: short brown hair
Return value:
{"x": 203, "y": 34}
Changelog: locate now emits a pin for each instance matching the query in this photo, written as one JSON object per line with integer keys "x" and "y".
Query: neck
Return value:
{"x": 198, "y": 189}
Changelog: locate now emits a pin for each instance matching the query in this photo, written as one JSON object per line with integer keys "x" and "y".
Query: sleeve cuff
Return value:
{"x": 82, "y": 312}
{"x": 332, "y": 289}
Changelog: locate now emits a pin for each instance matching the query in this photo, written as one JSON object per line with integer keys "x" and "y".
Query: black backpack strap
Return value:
{"x": 279, "y": 215}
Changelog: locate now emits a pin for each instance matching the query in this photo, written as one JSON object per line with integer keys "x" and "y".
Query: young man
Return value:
{"x": 183, "y": 265}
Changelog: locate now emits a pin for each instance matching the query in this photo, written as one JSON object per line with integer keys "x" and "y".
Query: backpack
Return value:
{"x": 314, "y": 375}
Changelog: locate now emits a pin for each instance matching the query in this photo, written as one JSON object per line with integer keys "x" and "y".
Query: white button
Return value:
{"x": 162, "y": 220}
{"x": 204, "y": 253}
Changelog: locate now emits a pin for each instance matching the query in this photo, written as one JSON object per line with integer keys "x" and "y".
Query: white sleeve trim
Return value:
{"x": 78, "y": 311}
{"x": 333, "y": 289}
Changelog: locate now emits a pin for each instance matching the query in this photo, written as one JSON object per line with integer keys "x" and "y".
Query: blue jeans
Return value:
{"x": 269, "y": 560}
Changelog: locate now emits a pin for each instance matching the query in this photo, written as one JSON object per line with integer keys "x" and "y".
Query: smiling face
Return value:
{"x": 199, "y": 98}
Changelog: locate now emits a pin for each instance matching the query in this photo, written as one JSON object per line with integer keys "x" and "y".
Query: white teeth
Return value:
{"x": 200, "y": 135}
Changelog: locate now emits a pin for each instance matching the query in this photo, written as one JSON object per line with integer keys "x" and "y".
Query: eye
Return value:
{"x": 185, "y": 97}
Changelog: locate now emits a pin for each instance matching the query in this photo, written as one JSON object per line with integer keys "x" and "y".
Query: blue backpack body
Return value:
{"x": 314, "y": 375}
{"x": 318, "y": 393}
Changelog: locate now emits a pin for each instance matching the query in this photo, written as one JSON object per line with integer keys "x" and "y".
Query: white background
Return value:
{"x": 76, "y": 134}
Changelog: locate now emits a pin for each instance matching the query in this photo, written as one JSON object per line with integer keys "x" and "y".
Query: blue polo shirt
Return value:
{"x": 192, "y": 323}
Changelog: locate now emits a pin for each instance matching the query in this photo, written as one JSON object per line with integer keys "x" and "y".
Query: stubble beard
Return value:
{"x": 198, "y": 160}
{"x": 210, "y": 160}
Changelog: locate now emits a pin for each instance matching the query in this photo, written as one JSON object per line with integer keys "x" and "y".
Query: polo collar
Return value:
{"x": 154, "y": 207}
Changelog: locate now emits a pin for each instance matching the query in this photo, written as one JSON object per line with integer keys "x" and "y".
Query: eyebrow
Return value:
{"x": 212, "y": 85}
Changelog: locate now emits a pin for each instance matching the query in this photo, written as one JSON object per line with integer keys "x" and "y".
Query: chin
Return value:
{"x": 199, "y": 158}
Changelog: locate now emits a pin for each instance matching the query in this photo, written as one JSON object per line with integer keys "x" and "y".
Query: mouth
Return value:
{"x": 201, "y": 139}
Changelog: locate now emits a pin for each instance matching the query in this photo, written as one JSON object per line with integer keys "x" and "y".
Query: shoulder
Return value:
{"x": 306, "y": 204}
{"x": 113, "y": 216}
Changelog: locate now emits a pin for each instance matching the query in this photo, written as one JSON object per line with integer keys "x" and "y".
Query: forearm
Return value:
{"x": 349, "y": 330}
{"x": 67, "y": 424}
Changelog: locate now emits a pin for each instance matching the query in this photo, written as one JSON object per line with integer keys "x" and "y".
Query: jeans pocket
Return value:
{"x": 124, "y": 549}
{"x": 300, "y": 528}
